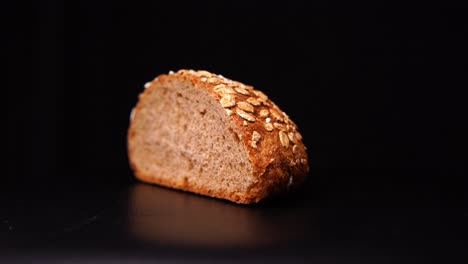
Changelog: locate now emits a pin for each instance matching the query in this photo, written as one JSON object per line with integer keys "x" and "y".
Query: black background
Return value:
{"x": 378, "y": 92}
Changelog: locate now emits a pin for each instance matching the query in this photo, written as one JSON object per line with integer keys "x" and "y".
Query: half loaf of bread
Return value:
{"x": 201, "y": 132}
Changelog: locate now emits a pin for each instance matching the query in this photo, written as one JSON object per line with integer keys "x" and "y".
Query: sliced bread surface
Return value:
{"x": 201, "y": 132}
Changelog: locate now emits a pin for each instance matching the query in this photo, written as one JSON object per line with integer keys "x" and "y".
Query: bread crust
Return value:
{"x": 271, "y": 139}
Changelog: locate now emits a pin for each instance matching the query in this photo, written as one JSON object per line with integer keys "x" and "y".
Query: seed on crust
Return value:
{"x": 260, "y": 95}
{"x": 218, "y": 87}
{"x": 256, "y": 136}
{"x": 245, "y": 115}
{"x": 298, "y": 136}
{"x": 148, "y": 84}
{"x": 229, "y": 112}
{"x": 268, "y": 120}
{"x": 280, "y": 126}
{"x": 223, "y": 80}
{"x": 228, "y": 100}
{"x": 276, "y": 115}
{"x": 253, "y": 101}
{"x": 264, "y": 113}
{"x": 191, "y": 72}
{"x": 227, "y": 81}
{"x": 213, "y": 80}
{"x": 292, "y": 137}
{"x": 284, "y": 139}
{"x": 245, "y": 123}
{"x": 268, "y": 126}
{"x": 235, "y": 84}
{"x": 242, "y": 90}
{"x": 222, "y": 89}
{"x": 303, "y": 161}
{"x": 245, "y": 106}
{"x": 253, "y": 144}
{"x": 292, "y": 125}
{"x": 203, "y": 73}
{"x": 294, "y": 149}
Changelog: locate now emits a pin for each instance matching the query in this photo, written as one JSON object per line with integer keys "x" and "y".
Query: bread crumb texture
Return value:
{"x": 204, "y": 133}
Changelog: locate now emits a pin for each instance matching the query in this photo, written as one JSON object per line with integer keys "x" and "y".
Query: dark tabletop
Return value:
{"x": 324, "y": 222}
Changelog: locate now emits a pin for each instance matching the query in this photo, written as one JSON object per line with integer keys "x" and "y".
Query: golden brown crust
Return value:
{"x": 269, "y": 136}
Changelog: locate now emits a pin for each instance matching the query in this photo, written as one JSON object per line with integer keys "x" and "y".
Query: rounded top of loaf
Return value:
{"x": 270, "y": 137}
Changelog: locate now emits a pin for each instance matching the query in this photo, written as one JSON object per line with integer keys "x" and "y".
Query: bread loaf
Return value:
{"x": 200, "y": 132}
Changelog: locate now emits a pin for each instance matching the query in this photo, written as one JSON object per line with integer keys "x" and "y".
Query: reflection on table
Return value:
{"x": 161, "y": 215}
